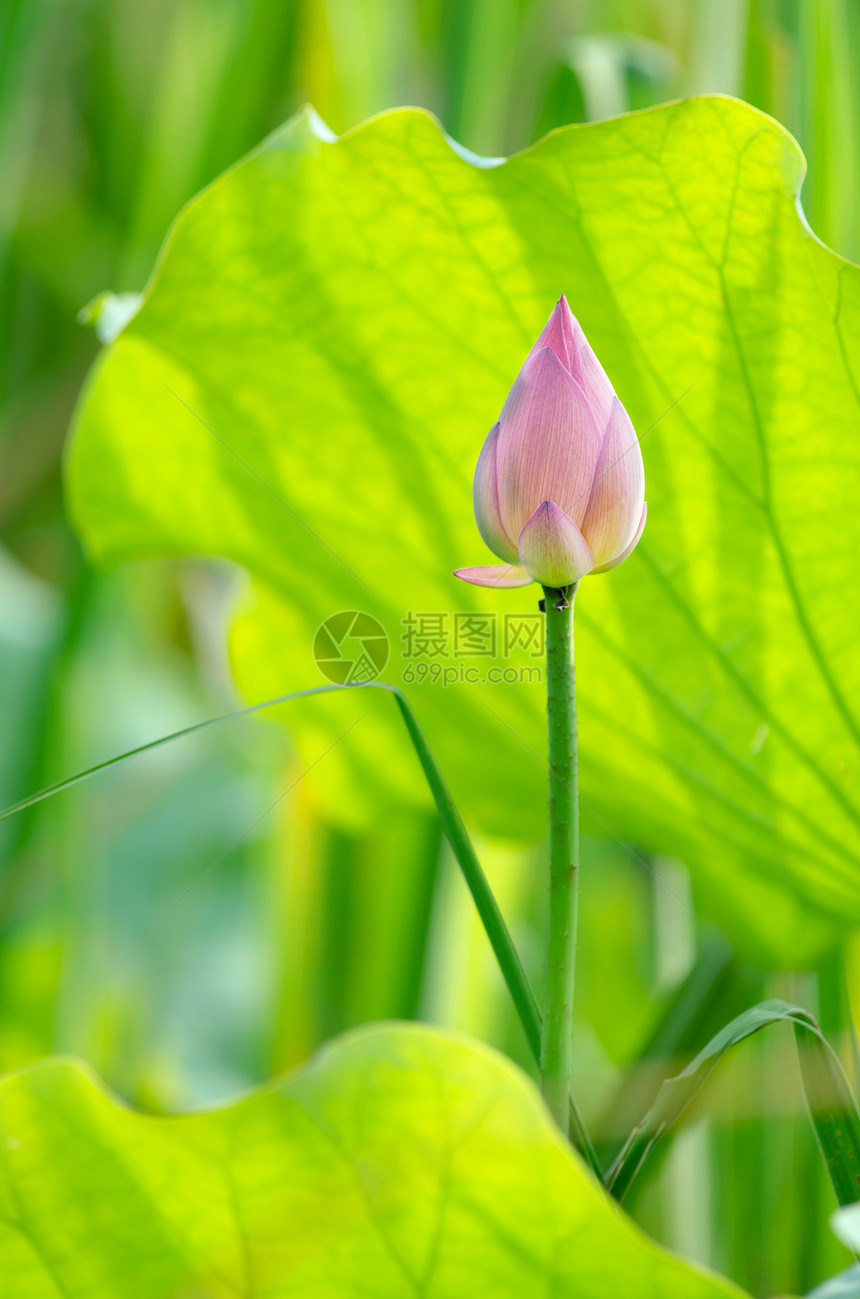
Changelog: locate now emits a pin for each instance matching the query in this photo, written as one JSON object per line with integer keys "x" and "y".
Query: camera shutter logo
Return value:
{"x": 350, "y": 647}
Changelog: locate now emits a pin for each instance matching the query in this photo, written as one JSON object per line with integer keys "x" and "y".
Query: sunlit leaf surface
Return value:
{"x": 331, "y": 331}
{"x": 401, "y": 1162}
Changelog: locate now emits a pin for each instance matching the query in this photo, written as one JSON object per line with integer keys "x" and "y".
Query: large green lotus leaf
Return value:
{"x": 330, "y": 332}
{"x": 401, "y": 1162}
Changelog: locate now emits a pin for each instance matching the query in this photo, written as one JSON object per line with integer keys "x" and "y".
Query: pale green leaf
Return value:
{"x": 330, "y": 332}
{"x": 400, "y": 1162}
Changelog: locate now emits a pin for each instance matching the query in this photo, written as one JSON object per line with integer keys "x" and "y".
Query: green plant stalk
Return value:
{"x": 556, "y": 1036}
{"x": 491, "y": 917}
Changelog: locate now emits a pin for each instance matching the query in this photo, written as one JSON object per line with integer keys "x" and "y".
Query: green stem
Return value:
{"x": 556, "y": 1038}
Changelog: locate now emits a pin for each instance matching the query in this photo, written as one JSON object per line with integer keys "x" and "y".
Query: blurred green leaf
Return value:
{"x": 331, "y": 330}
{"x": 401, "y": 1161}
{"x": 845, "y": 1285}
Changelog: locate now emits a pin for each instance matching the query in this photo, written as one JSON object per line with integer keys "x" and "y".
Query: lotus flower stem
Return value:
{"x": 556, "y": 1036}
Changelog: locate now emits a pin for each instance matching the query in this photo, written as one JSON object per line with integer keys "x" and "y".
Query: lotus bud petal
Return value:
{"x": 629, "y": 548}
{"x": 561, "y": 471}
{"x": 553, "y": 551}
{"x": 500, "y": 575}
{"x": 548, "y": 443}
{"x": 563, "y": 333}
{"x": 485, "y": 492}
{"x": 615, "y": 504}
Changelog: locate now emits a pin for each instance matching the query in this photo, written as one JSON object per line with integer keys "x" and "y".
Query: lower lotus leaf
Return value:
{"x": 401, "y": 1162}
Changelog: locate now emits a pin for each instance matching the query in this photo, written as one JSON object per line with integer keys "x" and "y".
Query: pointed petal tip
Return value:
{"x": 552, "y": 548}
{"x": 565, "y": 335}
{"x": 563, "y": 307}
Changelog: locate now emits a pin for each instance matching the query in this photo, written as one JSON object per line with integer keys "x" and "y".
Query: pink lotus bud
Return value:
{"x": 559, "y": 486}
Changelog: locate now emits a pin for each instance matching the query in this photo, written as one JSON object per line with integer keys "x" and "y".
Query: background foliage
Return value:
{"x": 112, "y": 115}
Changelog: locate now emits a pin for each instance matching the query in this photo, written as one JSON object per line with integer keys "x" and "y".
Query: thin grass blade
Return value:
{"x": 832, "y": 1106}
